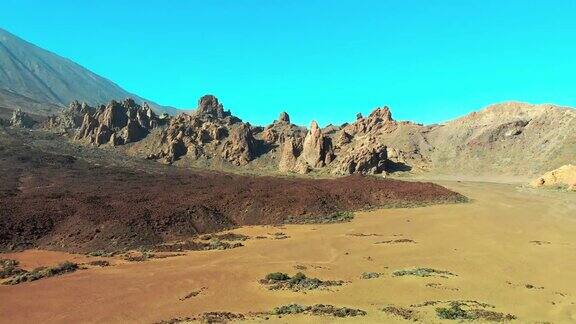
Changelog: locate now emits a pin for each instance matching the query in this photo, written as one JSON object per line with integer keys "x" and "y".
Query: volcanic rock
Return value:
{"x": 116, "y": 123}
{"x": 283, "y": 118}
{"x": 317, "y": 149}
{"x": 21, "y": 119}
{"x": 240, "y": 147}
{"x": 368, "y": 158}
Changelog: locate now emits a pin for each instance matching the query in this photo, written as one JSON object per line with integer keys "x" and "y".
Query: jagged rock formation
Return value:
{"x": 367, "y": 158}
{"x": 317, "y": 148}
{"x": 21, "y": 119}
{"x": 69, "y": 119}
{"x": 116, "y": 123}
{"x": 210, "y": 132}
{"x": 493, "y": 141}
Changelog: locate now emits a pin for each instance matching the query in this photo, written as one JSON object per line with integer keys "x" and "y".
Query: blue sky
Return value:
{"x": 428, "y": 60}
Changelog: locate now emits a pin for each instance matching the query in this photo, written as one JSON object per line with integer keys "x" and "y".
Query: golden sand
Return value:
{"x": 510, "y": 247}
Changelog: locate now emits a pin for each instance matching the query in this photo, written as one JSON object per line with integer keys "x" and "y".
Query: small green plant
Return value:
{"x": 453, "y": 312}
{"x": 279, "y": 280}
{"x": 318, "y": 309}
{"x": 370, "y": 275}
{"x": 423, "y": 272}
{"x": 43, "y": 272}
{"x": 9, "y": 268}
{"x": 337, "y": 217}
{"x": 288, "y": 309}
{"x": 277, "y": 276}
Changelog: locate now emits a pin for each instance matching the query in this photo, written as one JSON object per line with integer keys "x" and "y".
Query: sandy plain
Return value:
{"x": 511, "y": 247}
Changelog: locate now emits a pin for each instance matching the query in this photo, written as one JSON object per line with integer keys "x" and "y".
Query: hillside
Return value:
{"x": 30, "y": 75}
{"x": 510, "y": 139}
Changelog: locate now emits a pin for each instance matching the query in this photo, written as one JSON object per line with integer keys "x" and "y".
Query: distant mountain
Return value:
{"x": 39, "y": 81}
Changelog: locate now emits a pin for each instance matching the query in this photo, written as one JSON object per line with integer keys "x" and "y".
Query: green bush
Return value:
{"x": 43, "y": 272}
{"x": 277, "y": 276}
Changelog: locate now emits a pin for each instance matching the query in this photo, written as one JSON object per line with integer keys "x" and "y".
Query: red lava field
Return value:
{"x": 57, "y": 201}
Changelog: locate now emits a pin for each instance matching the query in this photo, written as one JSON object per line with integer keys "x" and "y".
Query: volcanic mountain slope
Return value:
{"x": 30, "y": 75}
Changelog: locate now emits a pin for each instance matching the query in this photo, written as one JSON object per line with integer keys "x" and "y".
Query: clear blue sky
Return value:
{"x": 428, "y": 60}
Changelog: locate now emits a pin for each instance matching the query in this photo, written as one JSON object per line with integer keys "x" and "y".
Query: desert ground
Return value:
{"x": 509, "y": 250}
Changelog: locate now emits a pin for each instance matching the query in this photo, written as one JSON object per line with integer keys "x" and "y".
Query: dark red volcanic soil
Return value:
{"x": 57, "y": 201}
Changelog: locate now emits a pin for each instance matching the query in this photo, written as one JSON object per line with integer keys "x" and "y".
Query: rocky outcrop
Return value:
{"x": 369, "y": 158}
{"x": 208, "y": 106}
{"x": 289, "y": 152}
{"x": 210, "y": 132}
{"x": 317, "y": 149}
{"x": 116, "y": 123}
{"x": 240, "y": 147}
{"x": 377, "y": 119}
{"x": 564, "y": 176}
{"x": 21, "y": 119}
{"x": 283, "y": 118}
{"x": 70, "y": 119}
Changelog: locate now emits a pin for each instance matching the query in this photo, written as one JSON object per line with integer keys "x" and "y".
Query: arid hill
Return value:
{"x": 511, "y": 139}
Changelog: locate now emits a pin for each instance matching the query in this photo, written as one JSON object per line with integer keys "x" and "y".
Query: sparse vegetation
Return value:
{"x": 43, "y": 272}
{"x": 396, "y": 241}
{"x": 9, "y": 268}
{"x": 193, "y": 294}
{"x": 363, "y": 234}
{"x": 299, "y": 282}
{"x": 337, "y": 217}
{"x": 141, "y": 257}
{"x": 405, "y": 313}
{"x": 225, "y": 237}
{"x": 318, "y": 309}
{"x": 455, "y": 312}
{"x": 101, "y": 254}
{"x": 370, "y": 275}
{"x": 99, "y": 263}
{"x": 208, "y": 317}
{"x": 279, "y": 236}
{"x": 212, "y": 244}
{"x": 423, "y": 272}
